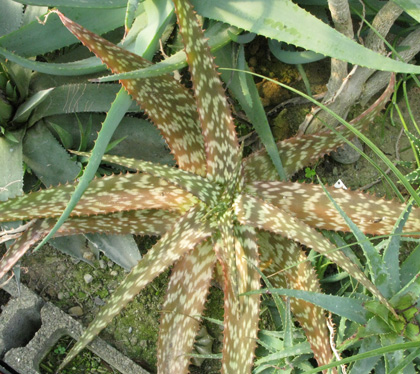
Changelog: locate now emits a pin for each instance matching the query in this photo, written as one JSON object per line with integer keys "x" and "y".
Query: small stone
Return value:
{"x": 88, "y": 255}
{"x": 98, "y": 301}
{"x": 114, "y": 273}
{"x": 130, "y": 330}
{"x": 102, "y": 264}
{"x": 60, "y": 296}
{"x": 347, "y": 155}
{"x": 88, "y": 278}
{"x": 76, "y": 311}
{"x": 110, "y": 264}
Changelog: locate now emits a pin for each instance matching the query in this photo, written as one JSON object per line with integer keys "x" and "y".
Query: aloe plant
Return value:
{"x": 215, "y": 208}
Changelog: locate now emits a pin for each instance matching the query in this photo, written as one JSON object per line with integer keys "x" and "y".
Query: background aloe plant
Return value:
{"x": 228, "y": 209}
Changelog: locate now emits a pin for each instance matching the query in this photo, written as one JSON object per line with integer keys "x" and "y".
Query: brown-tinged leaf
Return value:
{"x": 255, "y": 212}
{"x": 287, "y": 266}
{"x": 222, "y": 147}
{"x": 309, "y": 203}
{"x": 304, "y": 150}
{"x": 184, "y": 303}
{"x": 168, "y": 104}
{"x": 185, "y": 234}
{"x": 110, "y": 194}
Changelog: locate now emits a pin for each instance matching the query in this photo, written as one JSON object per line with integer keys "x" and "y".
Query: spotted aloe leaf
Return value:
{"x": 286, "y": 264}
{"x": 253, "y": 211}
{"x": 310, "y": 146}
{"x": 213, "y": 208}
{"x": 176, "y": 119}
{"x": 184, "y": 235}
{"x": 221, "y": 146}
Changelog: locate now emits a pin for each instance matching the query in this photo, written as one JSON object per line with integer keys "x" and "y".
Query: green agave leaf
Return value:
{"x": 24, "y": 111}
{"x": 185, "y": 299}
{"x": 351, "y": 309}
{"x": 296, "y": 350}
{"x": 86, "y": 66}
{"x": 380, "y": 272}
{"x": 78, "y": 98}
{"x": 411, "y": 7}
{"x": 71, "y": 246}
{"x": 10, "y": 16}
{"x": 52, "y": 167}
{"x": 293, "y": 57}
{"x": 411, "y": 266}
{"x": 185, "y": 234}
{"x": 287, "y": 22}
{"x": 367, "y": 364}
{"x": 99, "y": 4}
{"x": 222, "y": 147}
{"x": 195, "y": 184}
{"x": 36, "y": 39}
{"x": 392, "y": 251}
{"x": 122, "y": 250}
{"x": 11, "y": 176}
{"x": 255, "y": 212}
{"x": 371, "y": 353}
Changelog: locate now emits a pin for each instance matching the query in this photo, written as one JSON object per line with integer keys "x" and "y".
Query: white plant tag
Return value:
{"x": 340, "y": 185}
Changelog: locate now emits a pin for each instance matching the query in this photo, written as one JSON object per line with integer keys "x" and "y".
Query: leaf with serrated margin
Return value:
{"x": 309, "y": 203}
{"x": 255, "y": 212}
{"x": 186, "y": 233}
{"x": 304, "y": 150}
{"x": 137, "y": 222}
{"x": 195, "y": 184}
{"x": 241, "y": 312}
{"x": 168, "y": 104}
{"x": 33, "y": 234}
{"x": 105, "y": 195}
{"x": 222, "y": 147}
{"x": 287, "y": 266}
{"x": 184, "y": 303}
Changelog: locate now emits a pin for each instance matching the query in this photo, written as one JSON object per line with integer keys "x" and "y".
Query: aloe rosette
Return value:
{"x": 215, "y": 209}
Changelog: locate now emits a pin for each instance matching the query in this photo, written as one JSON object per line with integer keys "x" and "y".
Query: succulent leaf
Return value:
{"x": 241, "y": 313}
{"x": 176, "y": 117}
{"x": 105, "y": 195}
{"x": 184, "y": 235}
{"x": 252, "y": 211}
{"x": 33, "y": 234}
{"x": 184, "y": 303}
{"x": 287, "y": 267}
{"x": 304, "y": 150}
{"x": 193, "y": 183}
{"x": 222, "y": 147}
{"x": 309, "y": 203}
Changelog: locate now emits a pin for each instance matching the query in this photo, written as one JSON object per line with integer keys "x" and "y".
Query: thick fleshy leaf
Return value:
{"x": 184, "y": 235}
{"x": 241, "y": 312}
{"x": 168, "y": 104}
{"x": 221, "y": 143}
{"x": 195, "y": 184}
{"x": 287, "y": 266}
{"x": 255, "y": 212}
{"x": 309, "y": 203}
{"x": 304, "y": 150}
{"x": 33, "y": 234}
{"x": 138, "y": 222}
{"x": 106, "y": 195}
{"x": 184, "y": 303}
